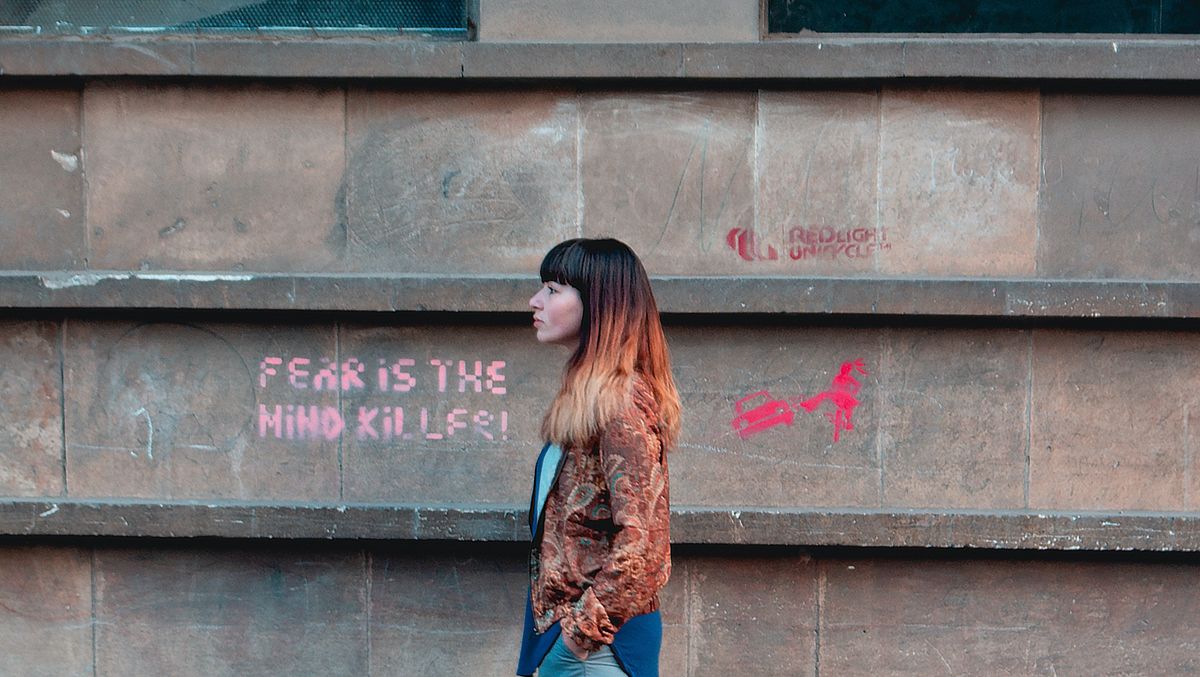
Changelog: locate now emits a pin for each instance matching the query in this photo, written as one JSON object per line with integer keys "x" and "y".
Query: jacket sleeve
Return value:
{"x": 640, "y": 550}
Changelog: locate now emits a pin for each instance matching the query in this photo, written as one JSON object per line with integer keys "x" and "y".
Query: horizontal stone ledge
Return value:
{"x": 997, "y": 530}
{"x": 840, "y": 57}
{"x": 1017, "y": 298}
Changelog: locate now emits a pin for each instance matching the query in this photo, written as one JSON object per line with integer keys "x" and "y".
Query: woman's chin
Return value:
{"x": 551, "y": 340}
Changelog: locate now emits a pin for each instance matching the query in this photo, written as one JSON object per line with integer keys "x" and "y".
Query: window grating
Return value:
{"x": 441, "y": 18}
{"x": 984, "y": 16}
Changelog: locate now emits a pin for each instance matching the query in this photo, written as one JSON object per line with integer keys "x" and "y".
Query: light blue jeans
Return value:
{"x": 560, "y": 662}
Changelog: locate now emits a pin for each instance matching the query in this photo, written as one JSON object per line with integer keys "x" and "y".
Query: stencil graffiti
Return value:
{"x": 311, "y": 422}
{"x": 816, "y": 242}
{"x": 393, "y": 377}
{"x": 835, "y": 243}
{"x": 759, "y": 411}
{"x": 842, "y": 394}
{"x": 748, "y": 247}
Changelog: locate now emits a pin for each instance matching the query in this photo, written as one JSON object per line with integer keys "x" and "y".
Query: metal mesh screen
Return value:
{"x": 984, "y": 16}
{"x": 443, "y": 18}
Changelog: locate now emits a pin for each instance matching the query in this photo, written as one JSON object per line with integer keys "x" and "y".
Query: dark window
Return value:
{"x": 984, "y": 16}
{"x": 434, "y": 18}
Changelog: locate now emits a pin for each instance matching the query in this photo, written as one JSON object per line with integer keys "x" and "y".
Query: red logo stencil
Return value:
{"x": 743, "y": 242}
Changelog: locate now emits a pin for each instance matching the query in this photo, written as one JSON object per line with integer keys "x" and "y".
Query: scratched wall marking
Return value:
{"x": 759, "y": 411}
{"x": 423, "y": 405}
{"x": 152, "y": 395}
{"x": 816, "y": 242}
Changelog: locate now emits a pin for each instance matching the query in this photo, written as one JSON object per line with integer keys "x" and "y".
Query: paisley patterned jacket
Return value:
{"x": 603, "y": 549}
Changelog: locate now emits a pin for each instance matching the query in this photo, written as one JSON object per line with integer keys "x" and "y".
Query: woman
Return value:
{"x": 600, "y": 512}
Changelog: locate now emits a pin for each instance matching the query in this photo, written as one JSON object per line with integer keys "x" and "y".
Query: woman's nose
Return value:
{"x": 535, "y": 301}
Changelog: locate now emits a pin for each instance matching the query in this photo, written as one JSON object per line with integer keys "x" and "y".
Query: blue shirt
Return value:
{"x": 636, "y": 643}
{"x": 547, "y": 466}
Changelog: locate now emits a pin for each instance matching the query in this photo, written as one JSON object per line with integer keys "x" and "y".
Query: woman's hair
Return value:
{"x": 620, "y": 336}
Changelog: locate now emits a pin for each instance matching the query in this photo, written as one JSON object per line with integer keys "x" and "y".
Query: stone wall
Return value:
{"x": 202, "y": 372}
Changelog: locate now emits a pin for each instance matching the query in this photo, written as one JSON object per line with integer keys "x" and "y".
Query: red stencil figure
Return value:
{"x": 842, "y": 391}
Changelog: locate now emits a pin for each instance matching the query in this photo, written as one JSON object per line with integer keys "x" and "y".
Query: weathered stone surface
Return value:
{"x": 672, "y": 175}
{"x": 455, "y": 417}
{"x": 720, "y": 615}
{"x": 1111, "y": 420}
{"x": 230, "y": 611}
{"x": 84, "y": 55}
{"x": 752, "y": 615}
{"x": 798, "y": 58}
{"x": 911, "y": 528}
{"x": 959, "y": 182}
{"x": 446, "y": 612}
{"x": 953, "y": 418}
{"x": 305, "y": 610}
{"x": 175, "y": 411}
{"x": 45, "y": 611}
{"x": 281, "y": 440}
{"x": 675, "y": 600}
{"x": 906, "y": 617}
{"x": 41, "y": 184}
{"x": 467, "y": 182}
{"x": 817, "y": 174}
{"x": 30, "y": 409}
{"x": 327, "y": 57}
{"x": 569, "y": 60}
{"x": 1191, "y": 478}
{"x": 820, "y": 57}
{"x": 164, "y": 410}
{"x": 203, "y": 177}
{"x": 775, "y": 452}
{"x": 1100, "y": 298}
{"x": 458, "y": 523}
{"x": 772, "y": 526}
{"x": 694, "y": 295}
{"x": 618, "y": 21}
{"x": 1119, "y": 192}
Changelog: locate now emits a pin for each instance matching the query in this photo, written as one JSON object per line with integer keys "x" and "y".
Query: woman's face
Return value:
{"x": 557, "y": 314}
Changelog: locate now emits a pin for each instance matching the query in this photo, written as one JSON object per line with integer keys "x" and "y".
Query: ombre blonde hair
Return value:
{"x": 620, "y": 338}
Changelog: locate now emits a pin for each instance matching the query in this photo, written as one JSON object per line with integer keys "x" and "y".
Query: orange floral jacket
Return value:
{"x": 603, "y": 549}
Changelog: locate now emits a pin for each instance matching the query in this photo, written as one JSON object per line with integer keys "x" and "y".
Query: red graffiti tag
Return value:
{"x": 771, "y": 412}
{"x": 743, "y": 242}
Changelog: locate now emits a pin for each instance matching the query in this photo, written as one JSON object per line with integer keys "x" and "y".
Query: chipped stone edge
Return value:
{"x": 1027, "y": 530}
{"x": 832, "y": 56}
{"x": 507, "y": 293}
{"x": 69, "y": 280}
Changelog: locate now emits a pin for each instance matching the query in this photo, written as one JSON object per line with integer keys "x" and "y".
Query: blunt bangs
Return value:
{"x": 564, "y": 264}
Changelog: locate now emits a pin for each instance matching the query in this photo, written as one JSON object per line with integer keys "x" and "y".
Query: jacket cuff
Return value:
{"x": 588, "y": 623}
